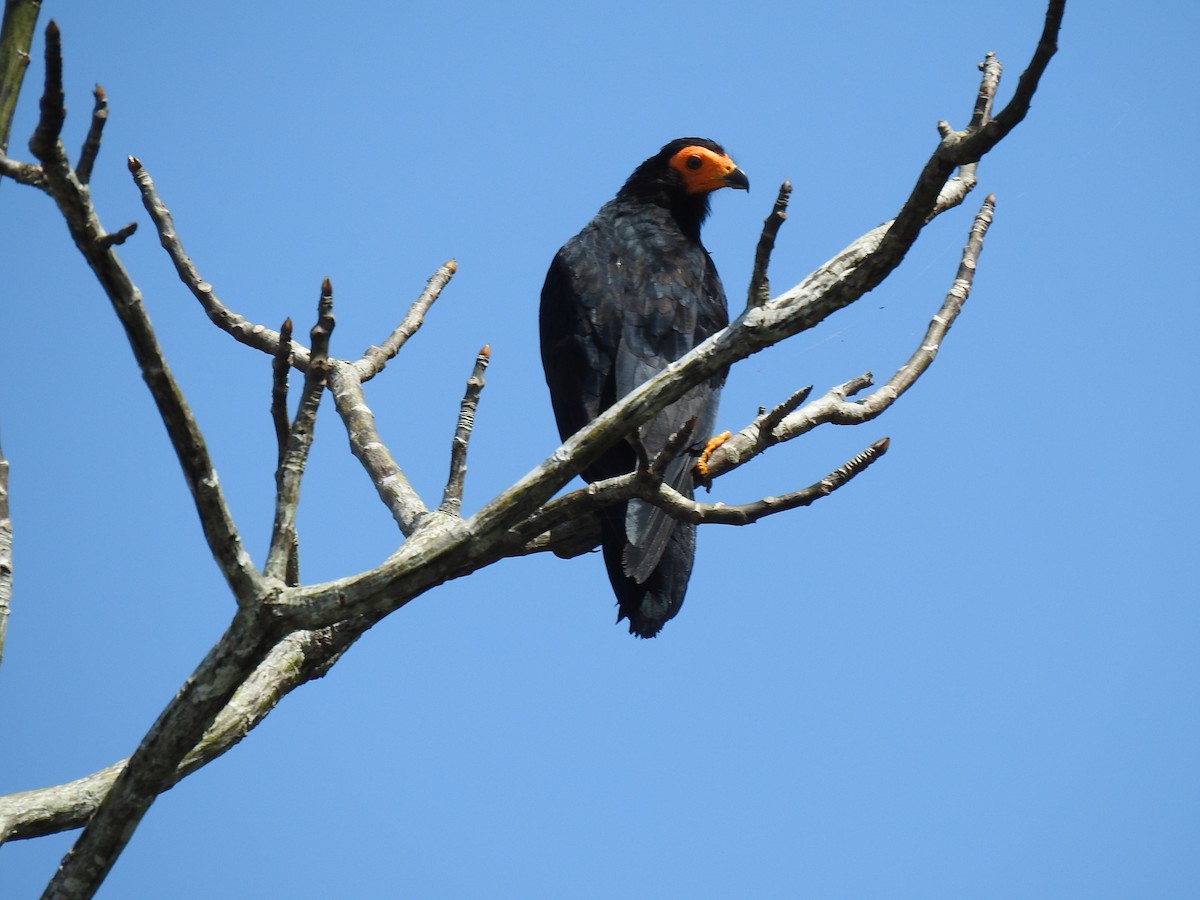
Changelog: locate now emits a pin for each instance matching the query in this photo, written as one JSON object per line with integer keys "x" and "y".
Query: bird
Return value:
{"x": 629, "y": 294}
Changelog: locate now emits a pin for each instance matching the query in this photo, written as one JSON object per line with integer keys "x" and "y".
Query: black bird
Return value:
{"x": 631, "y": 293}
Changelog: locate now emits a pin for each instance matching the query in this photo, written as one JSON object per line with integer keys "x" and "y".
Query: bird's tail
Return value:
{"x": 648, "y": 604}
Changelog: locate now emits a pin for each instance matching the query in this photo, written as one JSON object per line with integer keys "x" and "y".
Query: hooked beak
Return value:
{"x": 736, "y": 179}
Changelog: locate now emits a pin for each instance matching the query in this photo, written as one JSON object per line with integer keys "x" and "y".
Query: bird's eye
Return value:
{"x": 694, "y": 162}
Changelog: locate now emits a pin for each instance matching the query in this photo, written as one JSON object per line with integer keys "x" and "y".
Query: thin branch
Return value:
{"x": 116, "y": 238}
{"x": 6, "y": 558}
{"x": 393, "y": 488}
{"x": 91, "y": 144}
{"x": 680, "y": 507}
{"x": 281, "y": 365}
{"x": 257, "y": 336}
{"x": 16, "y": 36}
{"x": 1018, "y": 107}
{"x": 760, "y": 286}
{"x": 53, "y": 112}
{"x": 224, "y": 542}
{"x": 767, "y": 421}
{"x": 375, "y": 358}
{"x": 647, "y": 485}
{"x": 453, "y": 494}
{"x": 283, "y": 554}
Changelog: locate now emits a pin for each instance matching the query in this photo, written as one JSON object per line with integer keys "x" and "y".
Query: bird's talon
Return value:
{"x": 706, "y": 454}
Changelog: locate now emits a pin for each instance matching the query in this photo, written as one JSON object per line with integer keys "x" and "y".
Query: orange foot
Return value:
{"x": 706, "y": 454}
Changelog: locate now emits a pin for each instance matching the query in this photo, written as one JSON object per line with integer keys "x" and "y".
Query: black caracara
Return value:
{"x": 631, "y": 293}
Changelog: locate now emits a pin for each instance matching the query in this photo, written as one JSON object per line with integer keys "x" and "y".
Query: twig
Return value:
{"x": 280, "y": 366}
{"x": 53, "y": 112}
{"x": 648, "y": 485}
{"x": 760, "y": 286}
{"x": 283, "y": 556}
{"x": 375, "y": 358}
{"x": 91, "y": 144}
{"x": 6, "y": 559}
{"x": 680, "y": 507}
{"x": 453, "y": 493}
{"x": 257, "y": 336}
{"x": 116, "y": 238}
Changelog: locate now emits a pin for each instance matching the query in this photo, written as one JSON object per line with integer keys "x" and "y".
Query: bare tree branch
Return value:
{"x": 74, "y": 202}
{"x": 647, "y": 484}
{"x": 116, "y": 238}
{"x": 680, "y": 507}
{"x": 453, "y": 494}
{"x": 760, "y": 286}
{"x": 375, "y": 358}
{"x": 25, "y": 173}
{"x": 283, "y": 554}
{"x": 91, "y": 144}
{"x": 281, "y": 366}
{"x": 257, "y": 336}
{"x": 393, "y": 488}
{"x": 53, "y": 112}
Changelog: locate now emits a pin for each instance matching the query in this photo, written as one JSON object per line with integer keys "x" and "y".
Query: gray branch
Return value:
{"x": 453, "y": 494}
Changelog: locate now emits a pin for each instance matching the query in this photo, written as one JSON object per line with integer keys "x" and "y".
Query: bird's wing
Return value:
{"x": 622, "y": 300}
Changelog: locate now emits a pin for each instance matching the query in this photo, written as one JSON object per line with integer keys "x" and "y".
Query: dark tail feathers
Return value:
{"x": 650, "y": 604}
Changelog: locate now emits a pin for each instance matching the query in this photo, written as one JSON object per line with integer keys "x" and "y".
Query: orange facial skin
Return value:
{"x": 704, "y": 171}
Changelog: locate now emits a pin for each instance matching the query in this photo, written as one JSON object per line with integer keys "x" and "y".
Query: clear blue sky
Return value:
{"x": 972, "y": 673}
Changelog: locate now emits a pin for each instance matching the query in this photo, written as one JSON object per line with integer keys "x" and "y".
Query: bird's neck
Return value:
{"x": 689, "y": 211}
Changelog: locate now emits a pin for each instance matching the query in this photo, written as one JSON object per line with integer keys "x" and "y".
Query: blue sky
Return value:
{"x": 971, "y": 673}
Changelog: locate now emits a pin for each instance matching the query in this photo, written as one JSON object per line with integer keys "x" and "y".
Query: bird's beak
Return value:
{"x": 736, "y": 179}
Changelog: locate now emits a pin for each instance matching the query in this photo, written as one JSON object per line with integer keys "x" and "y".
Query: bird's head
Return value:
{"x": 682, "y": 176}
